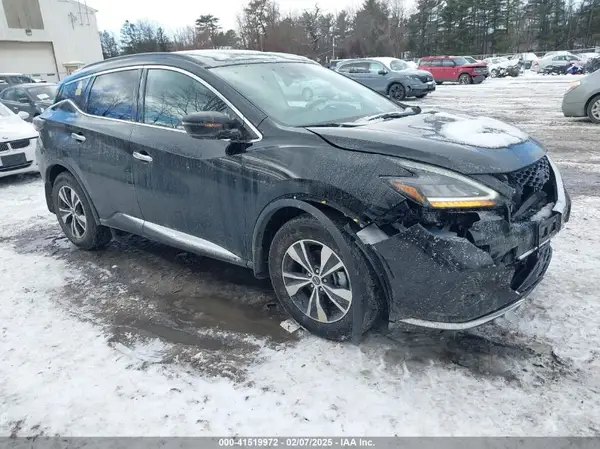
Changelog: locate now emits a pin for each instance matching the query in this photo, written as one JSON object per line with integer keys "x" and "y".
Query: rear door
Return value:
{"x": 435, "y": 67}
{"x": 104, "y": 154}
{"x": 359, "y": 71}
{"x": 449, "y": 69}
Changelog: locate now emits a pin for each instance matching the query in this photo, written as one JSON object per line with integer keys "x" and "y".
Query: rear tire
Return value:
{"x": 75, "y": 216}
{"x": 593, "y": 109}
{"x": 310, "y": 298}
{"x": 465, "y": 78}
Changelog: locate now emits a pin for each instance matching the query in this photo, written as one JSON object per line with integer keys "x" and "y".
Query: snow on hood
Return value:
{"x": 482, "y": 132}
{"x": 14, "y": 127}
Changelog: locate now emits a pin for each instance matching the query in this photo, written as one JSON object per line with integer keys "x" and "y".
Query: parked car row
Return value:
{"x": 30, "y": 98}
{"x": 17, "y": 143}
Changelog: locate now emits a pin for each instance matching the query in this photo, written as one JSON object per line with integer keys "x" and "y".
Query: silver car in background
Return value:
{"x": 389, "y": 76}
{"x": 583, "y": 98}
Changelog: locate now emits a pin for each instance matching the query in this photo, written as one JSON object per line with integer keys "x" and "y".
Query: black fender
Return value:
{"x": 65, "y": 166}
{"x": 331, "y": 227}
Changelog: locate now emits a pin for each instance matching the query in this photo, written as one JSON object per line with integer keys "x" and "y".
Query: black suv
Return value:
{"x": 360, "y": 209}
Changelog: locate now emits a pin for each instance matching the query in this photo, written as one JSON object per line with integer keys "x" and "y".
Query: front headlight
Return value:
{"x": 442, "y": 189}
{"x": 414, "y": 77}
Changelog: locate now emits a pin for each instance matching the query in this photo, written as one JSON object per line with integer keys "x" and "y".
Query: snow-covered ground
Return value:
{"x": 143, "y": 340}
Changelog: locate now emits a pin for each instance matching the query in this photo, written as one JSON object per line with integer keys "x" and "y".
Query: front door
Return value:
{"x": 189, "y": 190}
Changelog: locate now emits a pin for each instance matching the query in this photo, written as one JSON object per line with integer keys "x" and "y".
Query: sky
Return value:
{"x": 173, "y": 14}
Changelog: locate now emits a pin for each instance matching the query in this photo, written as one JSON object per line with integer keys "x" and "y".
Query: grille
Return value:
{"x": 3, "y": 147}
{"x": 19, "y": 144}
{"x": 532, "y": 178}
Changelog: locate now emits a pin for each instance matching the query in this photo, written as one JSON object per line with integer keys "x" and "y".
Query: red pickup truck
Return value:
{"x": 454, "y": 69}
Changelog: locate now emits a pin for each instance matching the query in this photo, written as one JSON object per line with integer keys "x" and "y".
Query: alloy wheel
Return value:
{"x": 464, "y": 79}
{"x": 72, "y": 214}
{"x": 317, "y": 281}
{"x": 397, "y": 92}
{"x": 596, "y": 110}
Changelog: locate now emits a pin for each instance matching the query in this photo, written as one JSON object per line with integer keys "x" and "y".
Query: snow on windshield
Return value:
{"x": 482, "y": 132}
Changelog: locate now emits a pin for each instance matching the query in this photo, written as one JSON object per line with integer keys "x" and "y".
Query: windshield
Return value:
{"x": 469, "y": 59}
{"x": 43, "y": 93}
{"x": 398, "y": 64}
{"x": 461, "y": 61}
{"x": 5, "y": 112}
{"x": 299, "y": 94}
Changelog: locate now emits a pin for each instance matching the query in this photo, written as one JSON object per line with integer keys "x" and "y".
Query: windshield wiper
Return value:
{"x": 414, "y": 110}
{"x": 332, "y": 125}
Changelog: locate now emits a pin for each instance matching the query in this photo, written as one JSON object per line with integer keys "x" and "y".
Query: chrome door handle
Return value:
{"x": 142, "y": 157}
{"x": 78, "y": 137}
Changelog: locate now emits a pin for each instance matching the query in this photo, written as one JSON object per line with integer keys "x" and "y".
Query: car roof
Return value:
{"x": 204, "y": 58}
{"x": 385, "y": 59}
{"x": 440, "y": 57}
{"x": 13, "y": 74}
{"x": 28, "y": 85}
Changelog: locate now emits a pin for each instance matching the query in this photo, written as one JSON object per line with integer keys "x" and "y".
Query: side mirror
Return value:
{"x": 211, "y": 125}
{"x": 383, "y": 72}
{"x": 24, "y": 115}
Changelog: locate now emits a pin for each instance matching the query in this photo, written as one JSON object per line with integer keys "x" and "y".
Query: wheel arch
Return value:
{"x": 52, "y": 173}
{"x": 279, "y": 212}
{"x": 593, "y": 97}
{"x": 392, "y": 82}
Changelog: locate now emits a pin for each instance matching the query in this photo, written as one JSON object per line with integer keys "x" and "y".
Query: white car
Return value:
{"x": 17, "y": 143}
{"x": 557, "y": 59}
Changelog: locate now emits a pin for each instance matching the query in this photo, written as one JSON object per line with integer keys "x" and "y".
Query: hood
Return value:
{"x": 15, "y": 128}
{"x": 468, "y": 145}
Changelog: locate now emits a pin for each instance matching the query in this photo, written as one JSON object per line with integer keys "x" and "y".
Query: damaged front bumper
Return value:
{"x": 439, "y": 280}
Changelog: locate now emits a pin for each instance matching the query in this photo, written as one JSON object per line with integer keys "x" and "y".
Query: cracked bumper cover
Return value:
{"x": 449, "y": 282}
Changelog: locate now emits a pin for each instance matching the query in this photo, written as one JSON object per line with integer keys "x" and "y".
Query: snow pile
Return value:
{"x": 543, "y": 213}
{"x": 482, "y": 132}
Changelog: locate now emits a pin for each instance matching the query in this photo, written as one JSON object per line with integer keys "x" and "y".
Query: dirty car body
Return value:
{"x": 449, "y": 217}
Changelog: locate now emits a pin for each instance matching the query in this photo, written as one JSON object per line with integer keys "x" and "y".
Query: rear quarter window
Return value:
{"x": 74, "y": 91}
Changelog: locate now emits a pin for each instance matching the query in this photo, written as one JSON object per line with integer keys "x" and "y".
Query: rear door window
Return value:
{"x": 448, "y": 63}
{"x": 436, "y": 63}
{"x": 113, "y": 95}
{"x": 74, "y": 91}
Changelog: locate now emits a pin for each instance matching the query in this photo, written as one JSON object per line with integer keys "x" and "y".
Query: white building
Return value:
{"x": 47, "y": 39}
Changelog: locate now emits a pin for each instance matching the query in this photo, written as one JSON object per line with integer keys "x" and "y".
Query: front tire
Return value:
{"x": 313, "y": 283}
{"x": 397, "y": 91}
{"x": 593, "y": 109}
{"x": 421, "y": 96}
{"x": 465, "y": 78}
{"x": 74, "y": 214}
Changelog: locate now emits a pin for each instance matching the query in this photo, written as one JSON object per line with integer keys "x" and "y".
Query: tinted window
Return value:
{"x": 461, "y": 61}
{"x": 21, "y": 79}
{"x": 170, "y": 96}
{"x": 425, "y": 63}
{"x": 74, "y": 91}
{"x": 448, "y": 63}
{"x": 20, "y": 96}
{"x": 113, "y": 95}
{"x": 436, "y": 63}
{"x": 6, "y": 94}
{"x": 355, "y": 67}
